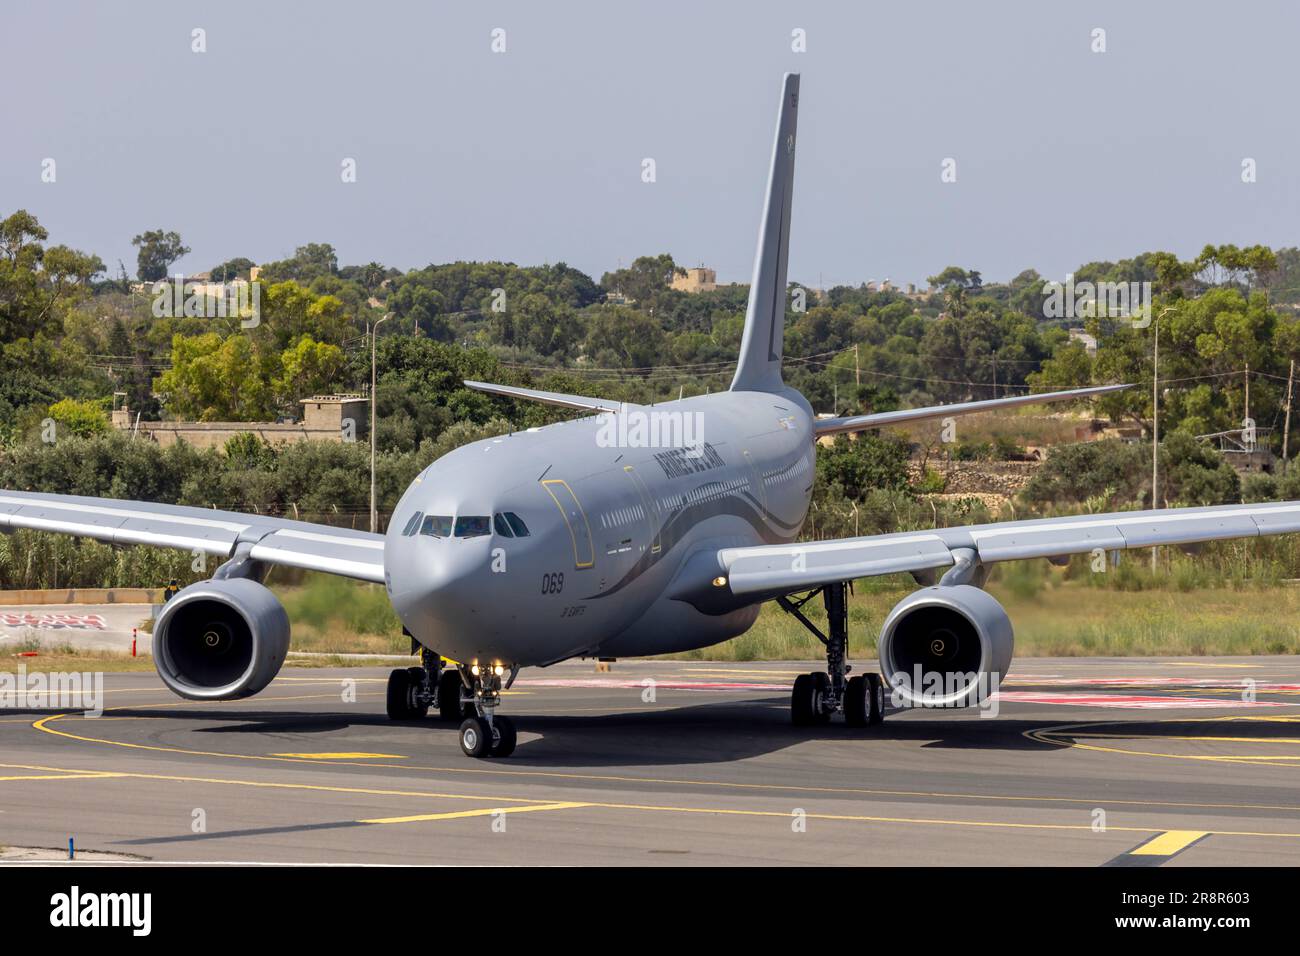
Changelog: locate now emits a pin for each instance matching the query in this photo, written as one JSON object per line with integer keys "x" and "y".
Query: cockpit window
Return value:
{"x": 472, "y": 526}
{"x": 501, "y": 526}
{"x": 437, "y": 525}
{"x": 517, "y": 524}
{"x": 412, "y": 524}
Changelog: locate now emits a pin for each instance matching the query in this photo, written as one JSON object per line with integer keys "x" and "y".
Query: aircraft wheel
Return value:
{"x": 419, "y": 708}
{"x": 806, "y": 700}
{"x": 506, "y": 738}
{"x": 449, "y": 686}
{"x": 475, "y": 737}
{"x": 875, "y": 698}
{"x": 401, "y": 697}
{"x": 856, "y": 693}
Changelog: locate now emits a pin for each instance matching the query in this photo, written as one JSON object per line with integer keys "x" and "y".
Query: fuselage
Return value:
{"x": 565, "y": 540}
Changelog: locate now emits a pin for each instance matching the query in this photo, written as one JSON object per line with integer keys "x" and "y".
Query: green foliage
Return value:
{"x": 157, "y": 250}
{"x": 854, "y": 467}
{"x": 644, "y": 279}
{"x": 73, "y": 417}
{"x": 237, "y": 268}
{"x": 1193, "y": 473}
{"x": 1115, "y": 471}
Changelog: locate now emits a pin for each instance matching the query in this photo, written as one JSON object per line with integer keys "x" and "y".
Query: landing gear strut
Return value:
{"x": 484, "y": 732}
{"x": 817, "y": 696}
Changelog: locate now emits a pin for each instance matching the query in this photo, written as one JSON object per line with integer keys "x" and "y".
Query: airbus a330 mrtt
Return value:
{"x": 552, "y": 543}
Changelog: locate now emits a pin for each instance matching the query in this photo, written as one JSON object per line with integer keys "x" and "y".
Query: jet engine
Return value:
{"x": 220, "y": 639}
{"x": 946, "y": 647}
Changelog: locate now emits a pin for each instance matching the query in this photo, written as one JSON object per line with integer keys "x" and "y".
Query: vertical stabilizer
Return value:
{"x": 759, "y": 368}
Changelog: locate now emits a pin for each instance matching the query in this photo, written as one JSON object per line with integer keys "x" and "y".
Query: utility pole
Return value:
{"x": 1247, "y": 415}
{"x": 857, "y": 369}
{"x": 1155, "y": 433}
{"x": 1286, "y": 428}
{"x": 374, "y": 514}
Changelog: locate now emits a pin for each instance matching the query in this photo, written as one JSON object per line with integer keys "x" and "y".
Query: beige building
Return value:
{"x": 324, "y": 418}
{"x": 696, "y": 280}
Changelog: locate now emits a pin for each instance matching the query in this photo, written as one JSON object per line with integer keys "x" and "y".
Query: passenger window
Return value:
{"x": 439, "y": 526}
{"x": 517, "y": 524}
{"x": 412, "y": 524}
{"x": 472, "y": 526}
{"x": 502, "y": 528}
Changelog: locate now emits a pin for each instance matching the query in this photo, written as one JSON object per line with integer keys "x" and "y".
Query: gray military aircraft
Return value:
{"x": 634, "y": 530}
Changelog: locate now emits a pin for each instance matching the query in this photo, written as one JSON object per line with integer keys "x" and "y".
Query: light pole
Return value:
{"x": 1155, "y": 426}
{"x": 374, "y": 514}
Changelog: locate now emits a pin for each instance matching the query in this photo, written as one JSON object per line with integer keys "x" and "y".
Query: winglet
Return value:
{"x": 759, "y": 368}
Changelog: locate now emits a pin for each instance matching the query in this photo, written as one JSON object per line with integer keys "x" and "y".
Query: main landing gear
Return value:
{"x": 467, "y": 694}
{"x": 413, "y": 690}
{"x": 817, "y": 696}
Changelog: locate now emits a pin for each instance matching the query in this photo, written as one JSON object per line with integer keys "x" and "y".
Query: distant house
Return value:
{"x": 696, "y": 280}
{"x": 1089, "y": 341}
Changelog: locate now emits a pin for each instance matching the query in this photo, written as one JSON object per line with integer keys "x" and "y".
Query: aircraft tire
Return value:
{"x": 856, "y": 701}
{"x": 506, "y": 737}
{"x": 804, "y": 701}
{"x": 875, "y": 698}
{"x": 449, "y": 685}
{"x": 475, "y": 737}
{"x": 399, "y": 695}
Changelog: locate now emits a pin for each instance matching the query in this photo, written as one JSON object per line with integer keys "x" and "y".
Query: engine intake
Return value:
{"x": 220, "y": 639}
{"x": 946, "y": 646}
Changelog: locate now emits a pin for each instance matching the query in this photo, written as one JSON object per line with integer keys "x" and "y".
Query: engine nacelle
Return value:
{"x": 220, "y": 639}
{"x": 946, "y": 646}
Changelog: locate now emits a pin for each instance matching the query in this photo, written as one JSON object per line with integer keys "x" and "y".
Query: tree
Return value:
{"x": 957, "y": 285}
{"x": 309, "y": 262}
{"x": 157, "y": 251}
{"x": 854, "y": 467}
{"x": 236, "y": 268}
{"x": 646, "y": 276}
{"x": 307, "y": 368}
{"x": 78, "y": 418}
{"x": 212, "y": 379}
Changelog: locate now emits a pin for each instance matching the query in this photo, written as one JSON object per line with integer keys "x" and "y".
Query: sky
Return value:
{"x": 1063, "y": 155}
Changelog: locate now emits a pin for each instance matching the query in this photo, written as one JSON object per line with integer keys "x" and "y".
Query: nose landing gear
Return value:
{"x": 817, "y": 696}
{"x": 469, "y": 694}
{"x": 485, "y": 733}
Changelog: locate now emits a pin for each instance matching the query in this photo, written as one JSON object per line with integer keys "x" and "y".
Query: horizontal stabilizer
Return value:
{"x": 549, "y": 398}
{"x": 860, "y": 423}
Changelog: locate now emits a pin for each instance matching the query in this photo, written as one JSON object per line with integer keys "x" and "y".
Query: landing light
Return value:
{"x": 720, "y": 581}
{"x": 474, "y": 670}
{"x": 498, "y": 670}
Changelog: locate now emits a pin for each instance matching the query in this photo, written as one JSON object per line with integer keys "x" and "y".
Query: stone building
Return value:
{"x": 324, "y": 418}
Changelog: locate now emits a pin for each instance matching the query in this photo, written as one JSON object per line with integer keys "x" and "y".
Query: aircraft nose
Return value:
{"x": 455, "y": 601}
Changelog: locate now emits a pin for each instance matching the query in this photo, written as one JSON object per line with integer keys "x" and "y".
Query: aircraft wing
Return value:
{"x": 770, "y": 570}
{"x": 295, "y": 544}
{"x": 549, "y": 398}
{"x": 858, "y": 423}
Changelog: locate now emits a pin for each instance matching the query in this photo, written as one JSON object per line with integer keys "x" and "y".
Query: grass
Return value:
{"x": 1066, "y": 619}
{"x": 334, "y": 616}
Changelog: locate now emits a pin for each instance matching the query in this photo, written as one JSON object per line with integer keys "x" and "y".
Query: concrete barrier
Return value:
{"x": 82, "y": 596}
